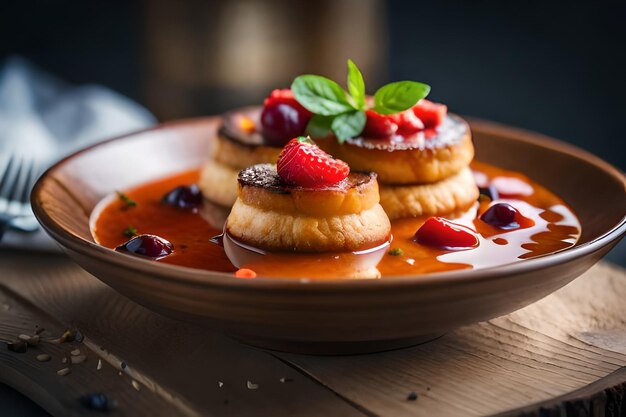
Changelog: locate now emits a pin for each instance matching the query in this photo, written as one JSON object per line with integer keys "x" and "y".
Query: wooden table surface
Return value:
{"x": 566, "y": 352}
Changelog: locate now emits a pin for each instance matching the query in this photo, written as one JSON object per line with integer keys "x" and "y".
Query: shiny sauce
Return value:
{"x": 554, "y": 227}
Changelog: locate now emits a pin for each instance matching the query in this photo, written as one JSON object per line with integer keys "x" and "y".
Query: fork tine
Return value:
{"x": 7, "y": 180}
{"x": 29, "y": 181}
{"x": 18, "y": 180}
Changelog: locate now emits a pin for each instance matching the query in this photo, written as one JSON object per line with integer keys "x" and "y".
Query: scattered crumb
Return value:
{"x": 136, "y": 385}
{"x": 75, "y": 352}
{"x": 99, "y": 366}
{"x": 251, "y": 385}
{"x": 43, "y": 357}
{"x": 63, "y": 372}
{"x": 78, "y": 359}
{"x": 220, "y": 384}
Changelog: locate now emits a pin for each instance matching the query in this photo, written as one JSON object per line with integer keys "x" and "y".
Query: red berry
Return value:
{"x": 302, "y": 163}
{"x": 444, "y": 234}
{"x": 432, "y": 114}
{"x": 283, "y": 117}
{"x": 408, "y": 123}
{"x": 379, "y": 125}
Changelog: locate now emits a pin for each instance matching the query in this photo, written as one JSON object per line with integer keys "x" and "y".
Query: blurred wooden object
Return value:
{"x": 202, "y": 57}
{"x": 566, "y": 352}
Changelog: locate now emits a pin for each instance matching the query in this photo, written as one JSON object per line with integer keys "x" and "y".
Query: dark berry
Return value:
{"x": 502, "y": 216}
{"x": 283, "y": 118}
{"x": 150, "y": 246}
{"x": 98, "y": 402}
{"x": 185, "y": 196}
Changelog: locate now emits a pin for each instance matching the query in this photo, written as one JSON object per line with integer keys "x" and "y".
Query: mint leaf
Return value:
{"x": 399, "y": 96}
{"x": 320, "y": 95}
{"x": 319, "y": 126}
{"x": 348, "y": 125}
{"x": 356, "y": 85}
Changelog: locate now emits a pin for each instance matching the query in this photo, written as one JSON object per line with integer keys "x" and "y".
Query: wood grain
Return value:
{"x": 557, "y": 345}
{"x": 568, "y": 346}
{"x": 180, "y": 363}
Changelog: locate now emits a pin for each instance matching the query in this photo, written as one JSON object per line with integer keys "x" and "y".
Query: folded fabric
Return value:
{"x": 46, "y": 118}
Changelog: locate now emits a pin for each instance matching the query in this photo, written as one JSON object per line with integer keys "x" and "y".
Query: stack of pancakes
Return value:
{"x": 419, "y": 175}
{"x": 426, "y": 174}
{"x": 237, "y": 146}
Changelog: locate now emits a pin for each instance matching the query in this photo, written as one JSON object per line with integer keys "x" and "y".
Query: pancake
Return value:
{"x": 277, "y": 217}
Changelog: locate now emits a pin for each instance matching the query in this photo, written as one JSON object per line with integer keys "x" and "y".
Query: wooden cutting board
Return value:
{"x": 566, "y": 352}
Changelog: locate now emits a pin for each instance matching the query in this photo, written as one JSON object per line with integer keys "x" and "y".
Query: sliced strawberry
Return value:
{"x": 379, "y": 125}
{"x": 302, "y": 163}
{"x": 283, "y": 117}
{"x": 444, "y": 234}
{"x": 432, "y": 114}
{"x": 408, "y": 123}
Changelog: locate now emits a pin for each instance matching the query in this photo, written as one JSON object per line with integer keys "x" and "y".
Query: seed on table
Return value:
{"x": 99, "y": 366}
{"x": 78, "y": 359}
{"x": 43, "y": 357}
{"x": 33, "y": 341}
{"x": 220, "y": 384}
{"x": 28, "y": 339}
{"x": 251, "y": 385}
{"x": 64, "y": 360}
{"x": 75, "y": 352}
{"x": 136, "y": 385}
{"x": 63, "y": 372}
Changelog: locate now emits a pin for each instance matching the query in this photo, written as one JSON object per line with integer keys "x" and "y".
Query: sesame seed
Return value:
{"x": 63, "y": 372}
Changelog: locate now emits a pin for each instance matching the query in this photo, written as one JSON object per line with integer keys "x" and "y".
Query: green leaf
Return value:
{"x": 348, "y": 125}
{"x": 399, "y": 96}
{"x": 320, "y": 95}
{"x": 319, "y": 126}
{"x": 356, "y": 85}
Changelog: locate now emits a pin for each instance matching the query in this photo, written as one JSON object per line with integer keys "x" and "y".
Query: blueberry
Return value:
{"x": 185, "y": 196}
{"x": 150, "y": 246}
{"x": 502, "y": 216}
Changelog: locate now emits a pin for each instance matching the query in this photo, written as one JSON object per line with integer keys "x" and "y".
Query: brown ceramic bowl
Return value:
{"x": 341, "y": 316}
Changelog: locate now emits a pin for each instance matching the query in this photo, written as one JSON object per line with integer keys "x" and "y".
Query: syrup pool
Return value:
{"x": 555, "y": 227}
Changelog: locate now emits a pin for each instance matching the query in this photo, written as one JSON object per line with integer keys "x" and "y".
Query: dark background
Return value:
{"x": 557, "y": 67}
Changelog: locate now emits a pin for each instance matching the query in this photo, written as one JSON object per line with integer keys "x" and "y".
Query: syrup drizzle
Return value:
{"x": 555, "y": 228}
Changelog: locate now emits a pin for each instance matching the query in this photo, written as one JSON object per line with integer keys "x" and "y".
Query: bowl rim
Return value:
{"x": 208, "y": 278}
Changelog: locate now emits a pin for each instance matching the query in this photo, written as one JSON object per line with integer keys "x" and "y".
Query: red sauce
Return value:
{"x": 553, "y": 228}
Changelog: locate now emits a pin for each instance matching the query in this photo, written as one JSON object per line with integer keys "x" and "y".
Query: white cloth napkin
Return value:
{"x": 47, "y": 118}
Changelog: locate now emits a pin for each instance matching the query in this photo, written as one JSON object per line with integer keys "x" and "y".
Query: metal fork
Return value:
{"x": 18, "y": 178}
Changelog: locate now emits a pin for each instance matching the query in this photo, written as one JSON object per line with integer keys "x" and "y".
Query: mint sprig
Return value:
{"x": 343, "y": 112}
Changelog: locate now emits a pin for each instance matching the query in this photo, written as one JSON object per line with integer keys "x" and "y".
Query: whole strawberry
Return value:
{"x": 302, "y": 163}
